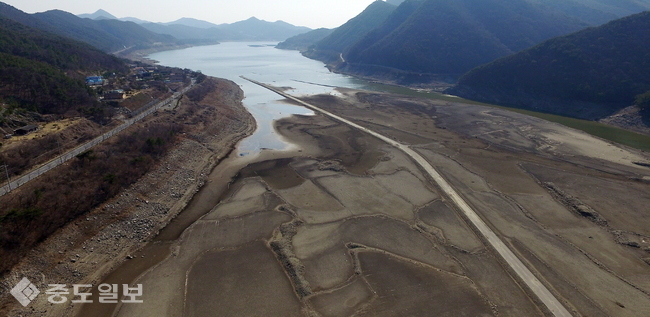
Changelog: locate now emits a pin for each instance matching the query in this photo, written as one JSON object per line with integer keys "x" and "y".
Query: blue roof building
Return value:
{"x": 95, "y": 80}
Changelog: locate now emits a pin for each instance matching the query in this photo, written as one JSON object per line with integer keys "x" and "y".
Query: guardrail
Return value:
{"x": 24, "y": 179}
{"x": 142, "y": 109}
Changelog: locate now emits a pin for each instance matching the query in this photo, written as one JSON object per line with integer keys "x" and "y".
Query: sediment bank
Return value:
{"x": 90, "y": 247}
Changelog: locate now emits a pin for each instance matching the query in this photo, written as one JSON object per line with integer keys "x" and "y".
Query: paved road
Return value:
{"x": 22, "y": 180}
{"x": 544, "y": 295}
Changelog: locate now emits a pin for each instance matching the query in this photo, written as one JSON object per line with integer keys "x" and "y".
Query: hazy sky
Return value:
{"x": 310, "y": 13}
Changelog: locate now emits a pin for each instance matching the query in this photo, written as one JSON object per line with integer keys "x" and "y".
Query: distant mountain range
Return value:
{"x": 99, "y": 15}
{"x": 190, "y": 29}
{"x": 107, "y": 33}
{"x": 589, "y": 74}
{"x": 134, "y": 20}
{"x": 200, "y": 24}
{"x": 104, "y": 34}
{"x": 252, "y": 29}
{"x": 439, "y": 40}
{"x": 493, "y": 46}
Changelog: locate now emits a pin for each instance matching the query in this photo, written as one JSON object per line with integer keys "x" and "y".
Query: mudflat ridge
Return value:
{"x": 358, "y": 229}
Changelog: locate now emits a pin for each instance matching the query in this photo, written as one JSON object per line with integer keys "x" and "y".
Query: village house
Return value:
{"x": 95, "y": 81}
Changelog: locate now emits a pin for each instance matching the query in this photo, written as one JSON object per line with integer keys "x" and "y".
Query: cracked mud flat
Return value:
{"x": 351, "y": 227}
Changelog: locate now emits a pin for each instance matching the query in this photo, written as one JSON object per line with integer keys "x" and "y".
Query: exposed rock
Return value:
{"x": 575, "y": 205}
{"x": 282, "y": 246}
{"x": 630, "y": 118}
{"x": 331, "y": 166}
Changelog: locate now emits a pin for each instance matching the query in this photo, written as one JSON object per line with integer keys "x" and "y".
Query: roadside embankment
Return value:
{"x": 210, "y": 122}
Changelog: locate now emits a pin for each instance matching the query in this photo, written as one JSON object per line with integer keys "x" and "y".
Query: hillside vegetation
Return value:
{"x": 329, "y": 48}
{"x": 392, "y": 22}
{"x": 43, "y": 72}
{"x": 37, "y": 209}
{"x": 596, "y": 12}
{"x": 454, "y": 36}
{"x": 588, "y": 74}
{"x": 437, "y": 41}
{"x": 303, "y": 41}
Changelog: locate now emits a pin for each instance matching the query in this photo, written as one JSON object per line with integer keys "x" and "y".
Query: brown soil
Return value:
{"x": 358, "y": 230}
{"x": 343, "y": 193}
{"x": 88, "y": 248}
{"x": 28, "y": 152}
{"x": 249, "y": 282}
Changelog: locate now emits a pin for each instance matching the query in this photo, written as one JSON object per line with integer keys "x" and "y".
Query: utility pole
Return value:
{"x": 8, "y": 179}
{"x": 59, "y": 144}
{"x": 60, "y": 150}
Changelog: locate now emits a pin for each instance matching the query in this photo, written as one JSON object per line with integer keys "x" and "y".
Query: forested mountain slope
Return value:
{"x": 589, "y": 74}
{"x": 303, "y": 41}
{"x": 453, "y": 36}
{"x": 44, "y": 72}
{"x": 329, "y": 48}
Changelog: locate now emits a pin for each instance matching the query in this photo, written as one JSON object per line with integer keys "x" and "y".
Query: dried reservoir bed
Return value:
{"x": 348, "y": 226}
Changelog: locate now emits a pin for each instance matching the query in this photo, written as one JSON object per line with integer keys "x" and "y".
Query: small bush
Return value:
{"x": 110, "y": 178}
{"x": 643, "y": 100}
{"x": 28, "y": 213}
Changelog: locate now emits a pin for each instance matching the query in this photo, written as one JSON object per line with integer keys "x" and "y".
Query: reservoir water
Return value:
{"x": 262, "y": 62}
